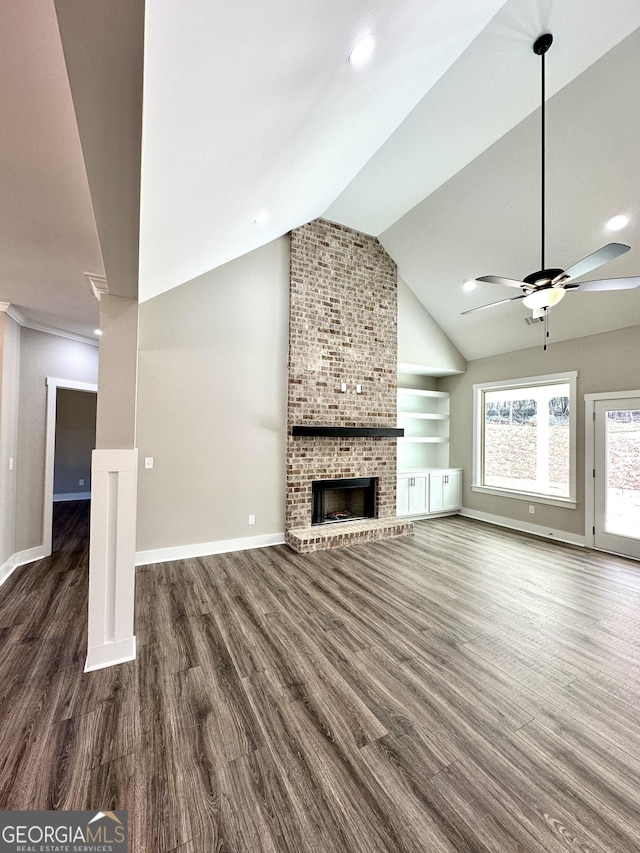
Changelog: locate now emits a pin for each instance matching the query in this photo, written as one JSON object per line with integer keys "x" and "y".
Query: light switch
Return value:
{"x": 358, "y": 389}
{"x": 11, "y": 463}
{"x": 343, "y": 387}
{"x": 148, "y": 461}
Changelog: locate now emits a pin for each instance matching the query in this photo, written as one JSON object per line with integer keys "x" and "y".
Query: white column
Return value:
{"x": 112, "y": 558}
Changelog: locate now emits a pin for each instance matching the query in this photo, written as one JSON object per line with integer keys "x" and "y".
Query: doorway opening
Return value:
{"x": 70, "y": 440}
{"x": 75, "y": 441}
{"x": 613, "y": 459}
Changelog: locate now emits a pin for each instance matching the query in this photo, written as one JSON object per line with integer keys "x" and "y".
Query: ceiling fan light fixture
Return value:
{"x": 545, "y": 298}
{"x": 469, "y": 285}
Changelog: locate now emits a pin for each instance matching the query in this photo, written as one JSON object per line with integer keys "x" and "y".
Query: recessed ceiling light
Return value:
{"x": 362, "y": 51}
{"x": 261, "y": 217}
{"x": 618, "y": 222}
{"x": 469, "y": 285}
{"x": 97, "y": 331}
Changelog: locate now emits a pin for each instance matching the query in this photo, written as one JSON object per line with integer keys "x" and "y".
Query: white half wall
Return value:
{"x": 112, "y": 558}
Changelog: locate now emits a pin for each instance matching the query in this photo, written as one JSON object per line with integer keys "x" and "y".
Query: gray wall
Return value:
{"x": 116, "y": 418}
{"x": 9, "y": 387}
{"x": 606, "y": 362}
{"x": 75, "y": 440}
{"x": 421, "y": 341}
{"x": 41, "y": 355}
{"x": 212, "y": 370}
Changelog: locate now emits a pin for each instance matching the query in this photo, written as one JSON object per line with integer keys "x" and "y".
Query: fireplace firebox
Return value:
{"x": 343, "y": 500}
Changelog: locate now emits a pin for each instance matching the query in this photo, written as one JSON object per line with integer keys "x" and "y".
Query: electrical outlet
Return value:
{"x": 81, "y": 482}
{"x": 11, "y": 463}
{"x": 532, "y": 509}
{"x": 252, "y": 519}
{"x": 148, "y": 461}
{"x": 343, "y": 387}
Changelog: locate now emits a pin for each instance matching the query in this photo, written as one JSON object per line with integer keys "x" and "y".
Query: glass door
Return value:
{"x": 617, "y": 476}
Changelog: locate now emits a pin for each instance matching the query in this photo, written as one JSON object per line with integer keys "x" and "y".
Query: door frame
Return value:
{"x": 590, "y": 457}
{"x": 53, "y": 383}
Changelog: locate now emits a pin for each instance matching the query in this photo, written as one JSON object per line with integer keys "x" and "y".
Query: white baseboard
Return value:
{"x": 524, "y": 526}
{"x": 110, "y": 654}
{"x": 72, "y": 496}
{"x": 20, "y": 559}
{"x": 205, "y": 549}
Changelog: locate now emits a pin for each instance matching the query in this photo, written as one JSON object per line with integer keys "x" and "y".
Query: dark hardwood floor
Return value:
{"x": 471, "y": 689}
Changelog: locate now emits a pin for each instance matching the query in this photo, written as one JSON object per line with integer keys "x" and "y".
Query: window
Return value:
{"x": 525, "y": 438}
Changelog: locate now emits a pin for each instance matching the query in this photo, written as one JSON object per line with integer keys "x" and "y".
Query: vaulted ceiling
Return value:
{"x": 433, "y": 147}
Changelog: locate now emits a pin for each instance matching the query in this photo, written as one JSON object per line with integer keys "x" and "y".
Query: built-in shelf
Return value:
{"x": 348, "y": 432}
{"x": 421, "y": 392}
{"x": 426, "y": 439}
{"x": 424, "y": 415}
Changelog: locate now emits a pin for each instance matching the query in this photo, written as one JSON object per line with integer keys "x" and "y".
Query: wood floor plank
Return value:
{"x": 467, "y": 690}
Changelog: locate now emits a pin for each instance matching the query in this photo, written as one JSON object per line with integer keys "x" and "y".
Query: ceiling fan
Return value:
{"x": 542, "y": 289}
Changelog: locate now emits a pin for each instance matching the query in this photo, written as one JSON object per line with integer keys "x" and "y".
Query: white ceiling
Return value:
{"x": 48, "y": 235}
{"x": 432, "y": 148}
{"x": 254, "y": 106}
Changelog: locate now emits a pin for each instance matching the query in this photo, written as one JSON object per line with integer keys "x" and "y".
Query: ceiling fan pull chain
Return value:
{"x": 546, "y": 327}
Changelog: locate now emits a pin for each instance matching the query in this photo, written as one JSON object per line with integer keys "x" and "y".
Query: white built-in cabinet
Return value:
{"x": 412, "y": 494}
{"x": 424, "y": 493}
{"x": 426, "y": 484}
{"x": 445, "y": 490}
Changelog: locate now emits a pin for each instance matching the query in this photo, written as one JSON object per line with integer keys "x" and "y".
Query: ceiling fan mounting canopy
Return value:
{"x": 542, "y": 44}
{"x": 547, "y": 286}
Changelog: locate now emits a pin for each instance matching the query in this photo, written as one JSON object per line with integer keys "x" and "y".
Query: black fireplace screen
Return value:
{"x": 343, "y": 500}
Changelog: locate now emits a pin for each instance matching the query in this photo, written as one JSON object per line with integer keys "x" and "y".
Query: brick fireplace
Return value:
{"x": 342, "y": 374}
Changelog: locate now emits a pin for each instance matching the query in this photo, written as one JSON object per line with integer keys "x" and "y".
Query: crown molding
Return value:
{"x": 97, "y": 284}
{"x": 11, "y": 311}
{"x": 61, "y": 333}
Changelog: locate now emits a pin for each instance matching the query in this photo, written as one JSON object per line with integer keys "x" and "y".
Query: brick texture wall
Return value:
{"x": 342, "y": 329}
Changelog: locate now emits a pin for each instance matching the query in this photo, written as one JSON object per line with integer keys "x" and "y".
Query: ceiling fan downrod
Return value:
{"x": 543, "y": 289}
{"x": 540, "y": 47}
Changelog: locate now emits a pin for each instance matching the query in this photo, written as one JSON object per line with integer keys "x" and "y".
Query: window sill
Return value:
{"x": 566, "y": 503}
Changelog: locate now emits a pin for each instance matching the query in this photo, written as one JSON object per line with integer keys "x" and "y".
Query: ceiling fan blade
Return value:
{"x": 496, "y": 279}
{"x": 491, "y": 304}
{"x": 595, "y": 259}
{"x": 606, "y": 284}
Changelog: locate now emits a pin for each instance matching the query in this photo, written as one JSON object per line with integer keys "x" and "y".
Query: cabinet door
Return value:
{"x": 402, "y": 495}
{"x": 445, "y": 491}
{"x": 412, "y": 495}
{"x": 418, "y": 495}
{"x": 436, "y": 492}
{"x": 452, "y": 495}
